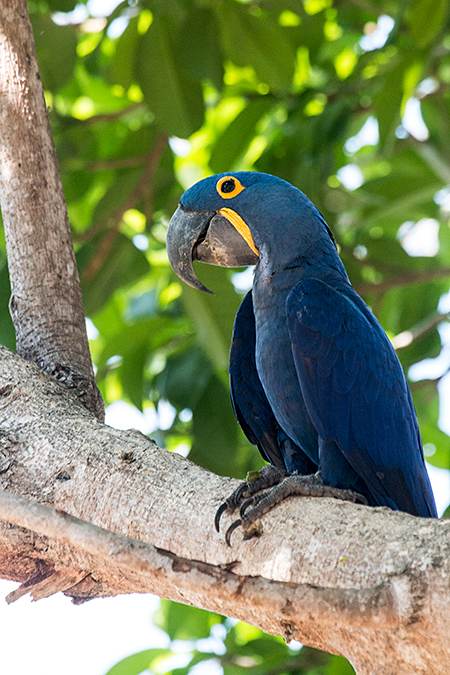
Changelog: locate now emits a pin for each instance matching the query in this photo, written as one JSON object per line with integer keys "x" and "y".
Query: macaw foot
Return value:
{"x": 256, "y": 481}
{"x": 292, "y": 484}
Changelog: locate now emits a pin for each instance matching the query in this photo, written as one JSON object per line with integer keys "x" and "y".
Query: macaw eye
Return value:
{"x": 229, "y": 186}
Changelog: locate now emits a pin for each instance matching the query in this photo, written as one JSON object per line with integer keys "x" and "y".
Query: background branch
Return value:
{"x": 116, "y": 163}
{"x": 113, "y": 221}
{"x": 422, "y": 277}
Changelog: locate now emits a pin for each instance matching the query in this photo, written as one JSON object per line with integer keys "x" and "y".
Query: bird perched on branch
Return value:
{"x": 315, "y": 382}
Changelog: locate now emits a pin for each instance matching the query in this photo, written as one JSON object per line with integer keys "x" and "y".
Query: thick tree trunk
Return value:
{"x": 46, "y": 304}
{"x": 367, "y": 583}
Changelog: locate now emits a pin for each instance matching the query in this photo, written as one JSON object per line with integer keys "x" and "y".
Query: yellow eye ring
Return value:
{"x": 229, "y": 186}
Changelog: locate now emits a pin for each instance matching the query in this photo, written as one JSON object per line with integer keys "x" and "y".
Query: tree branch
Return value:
{"x": 421, "y": 277}
{"x": 46, "y": 304}
{"x": 109, "y": 117}
{"x": 116, "y": 163}
{"x": 367, "y": 583}
{"x": 428, "y": 324}
{"x": 115, "y": 219}
{"x": 368, "y": 607}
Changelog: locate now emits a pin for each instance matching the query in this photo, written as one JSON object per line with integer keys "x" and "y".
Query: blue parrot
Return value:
{"x": 315, "y": 382}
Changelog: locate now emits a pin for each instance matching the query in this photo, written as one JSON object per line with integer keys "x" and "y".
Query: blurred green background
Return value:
{"x": 348, "y": 100}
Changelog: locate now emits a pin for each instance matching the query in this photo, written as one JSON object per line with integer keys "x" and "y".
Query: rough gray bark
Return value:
{"x": 367, "y": 583}
{"x": 46, "y": 304}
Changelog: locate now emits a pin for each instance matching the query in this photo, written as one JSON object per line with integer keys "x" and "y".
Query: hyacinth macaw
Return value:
{"x": 315, "y": 382}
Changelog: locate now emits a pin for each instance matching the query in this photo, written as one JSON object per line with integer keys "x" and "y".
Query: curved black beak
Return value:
{"x": 206, "y": 236}
{"x": 185, "y": 228}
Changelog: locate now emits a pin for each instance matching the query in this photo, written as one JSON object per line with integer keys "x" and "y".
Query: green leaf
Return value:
{"x": 122, "y": 265}
{"x": 237, "y": 136}
{"x": 117, "y": 195}
{"x": 171, "y": 93}
{"x": 255, "y": 40}
{"x": 410, "y": 81}
{"x": 213, "y": 315}
{"x": 143, "y": 306}
{"x": 135, "y": 344}
{"x": 123, "y": 63}
{"x": 135, "y": 140}
{"x": 56, "y": 50}
{"x": 198, "y": 657}
{"x": 405, "y": 192}
{"x": 105, "y": 98}
{"x": 199, "y": 46}
{"x": 426, "y": 402}
{"x": 340, "y": 666}
{"x": 215, "y": 431}
{"x": 131, "y": 371}
{"x": 62, "y": 5}
{"x": 426, "y": 19}
{"x": 388, "y": 102}
{"x": 182, "y": 622}
{"x": 233, "y": 669}
{"x": 403, "y": 308}
{"x": 138, "y": 663}
{"x": 269, "y": 651}
{"x": 185, "y": 377}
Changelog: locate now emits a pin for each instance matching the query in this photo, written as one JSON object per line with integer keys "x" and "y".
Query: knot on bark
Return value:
{"x": 85, "y": 389}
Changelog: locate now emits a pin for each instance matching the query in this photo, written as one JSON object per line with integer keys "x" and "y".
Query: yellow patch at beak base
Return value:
{"x": 241, "y": 226}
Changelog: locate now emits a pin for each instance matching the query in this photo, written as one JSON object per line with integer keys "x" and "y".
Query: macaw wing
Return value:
{"x": 250, "y": 403}
{"x": 356, "y": 393}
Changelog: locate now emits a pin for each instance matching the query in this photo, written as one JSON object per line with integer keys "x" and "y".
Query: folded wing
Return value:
{"x": 356, "y": 394}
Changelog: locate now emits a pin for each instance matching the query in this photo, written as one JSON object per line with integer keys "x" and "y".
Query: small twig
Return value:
{"x": 103, "y": 249}
{"x": 117, "y": 163}
{"x": 421, "y": 384}
{"x": 430, "y": 155}
{"x": 151, "y": 160}
{"x": 407, "y": 337}
{"x": 141, "y": 189}
{"x": 424, "y": 276}
{"x": 108, "y": 117}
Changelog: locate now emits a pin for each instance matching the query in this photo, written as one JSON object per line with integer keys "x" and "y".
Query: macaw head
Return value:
{"x": 242, "y": 218}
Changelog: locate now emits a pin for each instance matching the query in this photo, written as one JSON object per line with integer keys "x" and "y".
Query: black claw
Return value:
{"x": 361, "y": 499}
{"x": 244, "y": 506}
{"x": 231, "y": 529}
{"x": 239, "y": 492}
{"x": 223, "y": 507}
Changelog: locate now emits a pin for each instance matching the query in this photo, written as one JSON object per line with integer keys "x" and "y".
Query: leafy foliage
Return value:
{"x": 220, "y": 644}
{"x": 314, "y": 91}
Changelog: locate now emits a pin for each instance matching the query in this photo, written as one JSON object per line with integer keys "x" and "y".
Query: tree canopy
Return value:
{"x": 160, "y": 93}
